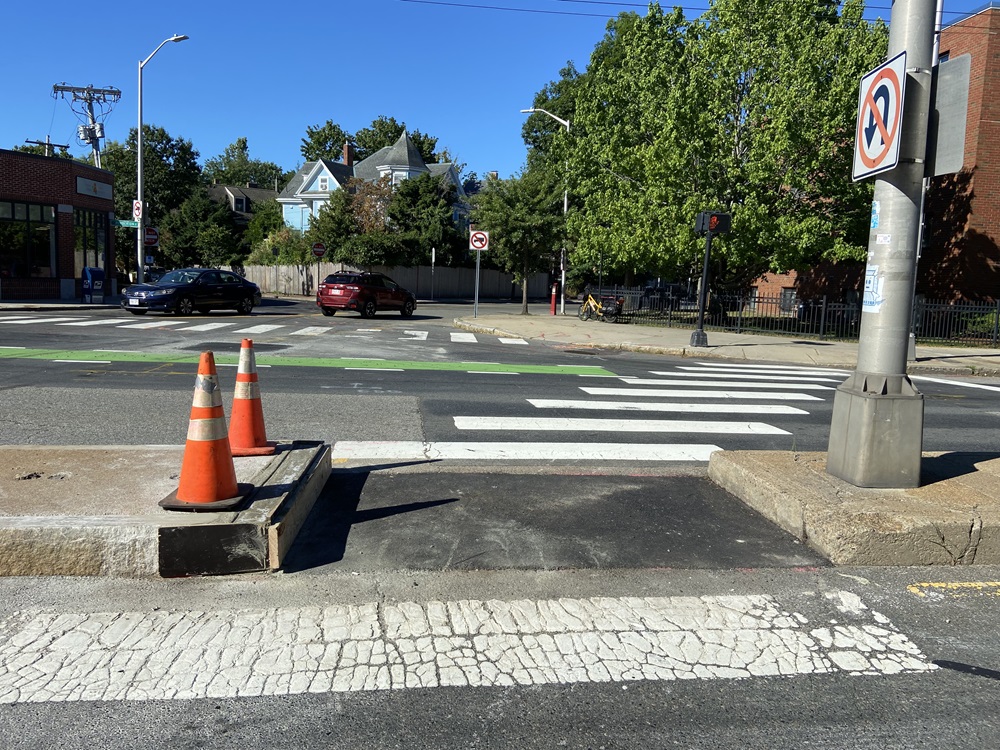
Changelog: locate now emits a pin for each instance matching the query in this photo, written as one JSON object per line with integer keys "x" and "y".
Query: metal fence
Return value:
{"x": 966, "y": 324}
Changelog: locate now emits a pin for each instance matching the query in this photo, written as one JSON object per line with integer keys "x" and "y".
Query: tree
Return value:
{"x": 199, "y": 232}
{"x": 524, "y": 218}
{"x": 379, "y": 248}
{"x": 325, "y": 142}
{"x": 385, "y": 131}
{"x": 170, "y": 173}
{"x": 422, "y": 211}
{"x": 40, "y": 150}
{"x": 235, "y": 167}
{"x": 335, "y": 223}
{"x": 266, "y": 218}
{"x": 748, "y": 109}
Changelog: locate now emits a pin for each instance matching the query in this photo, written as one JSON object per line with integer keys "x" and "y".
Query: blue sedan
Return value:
{"x": 188, "y": 289}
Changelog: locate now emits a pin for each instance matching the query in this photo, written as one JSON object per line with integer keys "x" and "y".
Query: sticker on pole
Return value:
{"x": 479, "y": 240}
{"x": 880, "y": 118}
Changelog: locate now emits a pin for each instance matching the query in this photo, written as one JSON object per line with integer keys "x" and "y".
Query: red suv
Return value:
{"x": 365, "y": 292}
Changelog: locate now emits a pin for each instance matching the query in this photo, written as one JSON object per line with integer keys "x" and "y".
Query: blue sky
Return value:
{"x": 459, "y": 70}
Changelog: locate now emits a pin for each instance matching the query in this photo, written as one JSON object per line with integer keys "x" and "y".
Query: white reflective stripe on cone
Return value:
{"x": 206, "y": 392}
{"x": 247, "y": 390}
{"x": 208, "y": 429}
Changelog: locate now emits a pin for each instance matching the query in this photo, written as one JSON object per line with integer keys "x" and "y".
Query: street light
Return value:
{"x": 139, "y": 232}
{"x": 562, "y": 254}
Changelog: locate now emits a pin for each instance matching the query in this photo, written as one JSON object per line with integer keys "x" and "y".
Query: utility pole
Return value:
{"x": 48, "y": 145}
{"x": 876, "y": 435}
{"x": 93, "y": 131}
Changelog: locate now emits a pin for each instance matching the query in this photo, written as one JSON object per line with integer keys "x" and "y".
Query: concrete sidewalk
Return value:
{"x": 571, "y": 332}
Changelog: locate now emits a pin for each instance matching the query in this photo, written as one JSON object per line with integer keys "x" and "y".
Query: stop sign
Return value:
{"x": 319, "y": 249}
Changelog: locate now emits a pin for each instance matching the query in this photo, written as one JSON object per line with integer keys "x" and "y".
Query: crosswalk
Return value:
{"x": 713, "y": 402}
{"x": 239, "y": 327}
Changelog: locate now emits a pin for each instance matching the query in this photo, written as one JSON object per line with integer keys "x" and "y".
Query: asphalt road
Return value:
{"x": 396, "y": 537}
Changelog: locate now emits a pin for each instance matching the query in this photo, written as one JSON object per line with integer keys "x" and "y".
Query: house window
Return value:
{"x": 324, "y": 183}
{"x": 788, "y": 298}
{"x": 239, "y": 204}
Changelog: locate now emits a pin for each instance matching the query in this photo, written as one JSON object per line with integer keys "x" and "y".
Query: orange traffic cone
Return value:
{"x": 246, "y": 427}
{"x": 208, "y": 476}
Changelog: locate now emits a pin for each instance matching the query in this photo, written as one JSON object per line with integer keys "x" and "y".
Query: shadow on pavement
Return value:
{"x": 952, "y": 465}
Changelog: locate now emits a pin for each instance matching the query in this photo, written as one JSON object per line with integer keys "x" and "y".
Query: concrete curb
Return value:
{"x": 953, "y": 519}
{"x": 124, "y": 533}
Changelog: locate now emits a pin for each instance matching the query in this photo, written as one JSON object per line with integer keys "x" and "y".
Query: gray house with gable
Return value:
{"x": 309, "y": 190}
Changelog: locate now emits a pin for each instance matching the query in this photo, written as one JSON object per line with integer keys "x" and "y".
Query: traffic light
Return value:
{"x": 711, "y": 221}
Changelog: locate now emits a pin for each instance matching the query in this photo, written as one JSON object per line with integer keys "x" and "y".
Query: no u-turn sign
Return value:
{"x": 880, "y": 118}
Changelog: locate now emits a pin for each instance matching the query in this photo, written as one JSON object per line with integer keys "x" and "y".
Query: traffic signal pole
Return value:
{"x": 876, "y": 435}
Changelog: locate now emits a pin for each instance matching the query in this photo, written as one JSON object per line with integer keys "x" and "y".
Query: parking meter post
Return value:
{"x": 698, "y": 337}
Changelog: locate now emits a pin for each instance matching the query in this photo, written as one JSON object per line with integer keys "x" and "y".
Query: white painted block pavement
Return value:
{"x": 177, "y": 655}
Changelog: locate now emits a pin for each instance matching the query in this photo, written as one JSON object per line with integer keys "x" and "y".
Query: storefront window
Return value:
{"x": 91, "y": 232}
{"x": 27, "y": 241}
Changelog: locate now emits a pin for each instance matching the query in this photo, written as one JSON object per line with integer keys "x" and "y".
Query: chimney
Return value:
{"x": 348, "y": 154}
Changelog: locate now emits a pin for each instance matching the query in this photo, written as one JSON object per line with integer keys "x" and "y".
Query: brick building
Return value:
{"x": 56, "y": 218}
{"x": 961, "y": 257}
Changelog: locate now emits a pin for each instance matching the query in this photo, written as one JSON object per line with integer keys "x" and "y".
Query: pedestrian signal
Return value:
{"x": 716, "y": 223}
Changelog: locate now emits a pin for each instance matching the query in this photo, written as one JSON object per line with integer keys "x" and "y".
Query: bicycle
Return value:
{"x": 593, "y": 308}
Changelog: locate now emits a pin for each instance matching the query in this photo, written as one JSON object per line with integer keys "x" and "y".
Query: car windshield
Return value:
{"x": 179, "y": 277}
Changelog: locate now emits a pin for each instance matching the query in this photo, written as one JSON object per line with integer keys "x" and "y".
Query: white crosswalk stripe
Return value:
{"x": 608, "y": 426}
{"x": 512, "y": 341}
{"x": 21, "y": 321}
{"x": 207, "y": 327}
{"x": 259, "y": 329}
{"x": 724, "y": 384}
{"x": 543, "y": 403}
{"x": 159, "y": 323}
{"x": 461, "y": 337}
{"x": 701, "y": 373}
{"x": 90, "y": 323}
{"x": 310, "y": 331}
{"x": 488, "y": 451}
{"x": 681, "y": 393}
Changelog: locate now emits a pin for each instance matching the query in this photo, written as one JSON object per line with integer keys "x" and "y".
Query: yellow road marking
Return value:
{"x": 956, "y": 589}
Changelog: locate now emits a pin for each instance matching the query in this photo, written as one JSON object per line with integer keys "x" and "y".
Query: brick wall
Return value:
{"x": 52, "y": 181}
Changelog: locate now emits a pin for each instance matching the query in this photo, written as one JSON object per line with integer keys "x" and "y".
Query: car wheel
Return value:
{"x": 138, "y": 312}
{"x": 185, "y": 306}
{"x": 245, "y": 306}
{"x": 368, "y": 309}
{"x": 407, "y": 309}
{"x": 328, "y": 311}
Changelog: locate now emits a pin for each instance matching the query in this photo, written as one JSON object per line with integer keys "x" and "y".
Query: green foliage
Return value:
{"x": 266, "y": 219}
{"x": 235, "y": 167}
{"x": 385, "y": 131}
{"x": 199, "y": 232}
{"x": 524, "y": 218}
{"x": 335, "y": 224}
{"x": 422, "y": 211}
{"x": 749, "y": 109}
{"x": 324, "y": 142}
{"x": 60, "y": 152}
{"x": 373, "y": 249}
{"x": 285, "y": 247}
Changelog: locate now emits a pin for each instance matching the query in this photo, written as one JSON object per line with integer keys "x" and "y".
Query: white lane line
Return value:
{"x": 207, "y": 327}
{"x": 236, "y": 364}
{"x": 545, "y": 403}
{"x": 511, "y": 341}
{"x": 259, "y": 329}
{"x": 463, "y": 338}
{"x": 770, "y": 371}
{"x": 681, "y": 393}
{"x": 760, "y": 375}
{"x": 490, "y": 372}
{"x": 179, "y": 654}
{"x": 368, "y": 330}
{"x": 955, "y": 382}
{"x": 9, "y": 318}
{"x": 406, "y": 449}
{"x": 310, "y": 331}
{"x": 154, "y": 324}
{"x": 28, "y": 321}
{"x": 604, "y": 426}
{"x": 414, "y": 336}
{"x": 727, "y": 366}
{"x": 724, "y": 384}
{"x": 376, "y": 369}
{"x": 105, "y": 322}
{"x": 13, "y": 347}
{"x": 84, "y": 361}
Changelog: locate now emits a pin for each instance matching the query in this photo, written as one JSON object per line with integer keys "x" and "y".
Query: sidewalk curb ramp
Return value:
{"x": 952, "y": 519}
{"x": 92, "y": 511}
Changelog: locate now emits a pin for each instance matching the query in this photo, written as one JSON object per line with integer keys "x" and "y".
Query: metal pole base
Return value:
{"x": 699, "y": 337}
{"x": 876, "y": 436}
